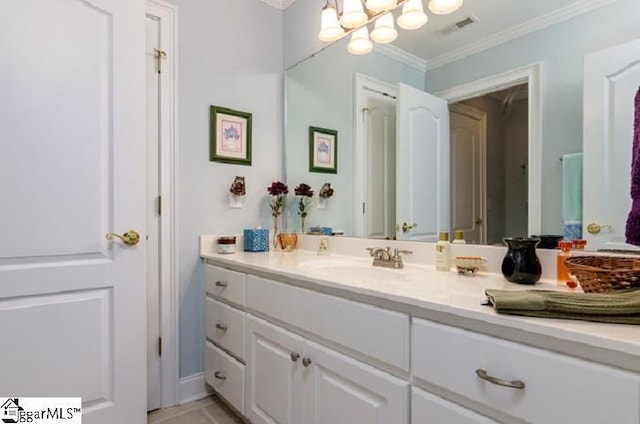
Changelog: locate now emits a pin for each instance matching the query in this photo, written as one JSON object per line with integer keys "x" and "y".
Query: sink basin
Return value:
{"x": 354, "y": 270}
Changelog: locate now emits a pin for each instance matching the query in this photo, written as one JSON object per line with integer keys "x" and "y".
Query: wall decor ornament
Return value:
{"x": 237, "y": 191}
{"x": 229, "y": 136}
{"x": 323, "y": 150}
{"x": 324, "y": 194}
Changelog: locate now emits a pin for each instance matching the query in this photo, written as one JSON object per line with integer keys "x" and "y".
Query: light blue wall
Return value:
{"x": 301, "y": 26}
{"x": 231, "y": 56}
{"x": 319, "y": 92}
{"x": 561, "y": 49}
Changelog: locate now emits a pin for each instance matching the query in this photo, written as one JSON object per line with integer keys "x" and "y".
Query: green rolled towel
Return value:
{"x": 620, "y": 307}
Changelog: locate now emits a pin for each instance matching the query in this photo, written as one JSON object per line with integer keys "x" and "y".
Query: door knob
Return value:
{"x": 479, "y": 221}
{"x": 295, "y": 356}
{"x": 306, "y": 362}
{"x": 406, "y": 227}
{"x": 595, "y": 228}
{"x": 130, "y": 238}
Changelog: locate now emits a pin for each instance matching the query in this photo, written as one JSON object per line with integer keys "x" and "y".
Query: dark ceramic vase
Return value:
{"x": 521, "y": 264}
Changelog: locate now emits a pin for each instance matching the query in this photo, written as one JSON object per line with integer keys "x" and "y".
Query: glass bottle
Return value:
{"x": 562, "y": 272}
{"x": 443, "y": 252}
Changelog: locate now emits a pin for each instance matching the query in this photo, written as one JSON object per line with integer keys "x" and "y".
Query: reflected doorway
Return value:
{"x": 489, "y": 165}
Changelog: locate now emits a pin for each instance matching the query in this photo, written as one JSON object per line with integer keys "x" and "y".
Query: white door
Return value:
{"x": 72, "y": 165}
{"x": 274, "y": 374}
{"x": 611, "y": 79}
{"x": 380, "y": 136}
{"x": 422, "y": 181}
{"x": 467, "y": 172}
{"x": 154, "y": 366}
{"x": 342, "y": 390}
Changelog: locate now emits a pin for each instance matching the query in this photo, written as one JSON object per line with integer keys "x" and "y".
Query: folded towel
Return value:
{"x": 572, "y": 195}
{"x": 620, "y": 307}
{"x": 632, "y": 231}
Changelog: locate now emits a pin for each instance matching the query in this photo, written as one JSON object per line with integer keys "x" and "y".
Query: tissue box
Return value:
{"x": 256, "y": 240}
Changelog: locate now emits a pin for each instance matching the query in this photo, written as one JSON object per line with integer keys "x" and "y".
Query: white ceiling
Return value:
{"x": 498, "y": 21}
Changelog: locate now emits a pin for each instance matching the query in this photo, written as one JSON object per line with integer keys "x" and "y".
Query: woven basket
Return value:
{"x": 605, "y": 273}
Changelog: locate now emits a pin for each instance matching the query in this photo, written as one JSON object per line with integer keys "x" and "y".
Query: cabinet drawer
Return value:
{"x": 225, "y": 284}
{"x": 372, "y": 331}
{"x": 225, "y": 375}
{"x": 428, "y": 408}
{"x": 224, "y": 325}
{"x": 558, "y": 388}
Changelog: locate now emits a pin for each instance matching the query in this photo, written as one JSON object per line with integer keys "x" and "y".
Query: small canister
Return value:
{"x": 227, "y": 244}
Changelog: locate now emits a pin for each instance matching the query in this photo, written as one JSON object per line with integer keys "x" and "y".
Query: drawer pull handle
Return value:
{"x": 219, "y": 375}
{"x": 306, "y": 362}
{"x": 221, "y": 284}
{"x": 295, "y": 356}
{"x": 514, "y": 384}
{"x": 221, "y": 327}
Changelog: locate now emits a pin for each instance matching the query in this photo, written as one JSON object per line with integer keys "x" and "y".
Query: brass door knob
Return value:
{"x": 130, "y": 238}
{"x": 595, "y": 228}
{"x": 479, "y": 221}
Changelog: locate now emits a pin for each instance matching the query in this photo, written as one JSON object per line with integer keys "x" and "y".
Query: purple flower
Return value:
{"x": 303, "y": 190}
{"x": 278, "y": 188}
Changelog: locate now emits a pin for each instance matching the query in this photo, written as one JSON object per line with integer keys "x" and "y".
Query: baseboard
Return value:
{"x": 193, "y": 388}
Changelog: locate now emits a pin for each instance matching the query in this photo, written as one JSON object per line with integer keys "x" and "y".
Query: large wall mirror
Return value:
{"x": 529, "y": 112}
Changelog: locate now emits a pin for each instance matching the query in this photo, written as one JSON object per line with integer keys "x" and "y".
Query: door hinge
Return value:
{"x": 363, "y": 209}
{"x": 159, "y": 346}
{"x": 159, "y": 201}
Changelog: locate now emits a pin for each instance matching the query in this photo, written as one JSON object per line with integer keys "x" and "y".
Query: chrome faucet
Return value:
{"x": 387, "y": 258}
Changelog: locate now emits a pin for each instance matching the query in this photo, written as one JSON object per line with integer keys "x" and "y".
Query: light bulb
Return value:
{"x": 384, "y": 32}
{"x": 330, "y": 29}
{"x": 379, "y": 5}
{"x": 442, "y": 7}
{"x": 353, "y": 14}
{"x": 360, "y": 43}
{"x": 413, "y": 16}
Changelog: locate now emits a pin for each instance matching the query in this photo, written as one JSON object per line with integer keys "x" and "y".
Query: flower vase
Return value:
{"x": 302, "y": 218}
{"x": 276, "y": 241}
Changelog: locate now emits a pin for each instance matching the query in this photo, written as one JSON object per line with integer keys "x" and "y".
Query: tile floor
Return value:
{"x": 210, "y": 410}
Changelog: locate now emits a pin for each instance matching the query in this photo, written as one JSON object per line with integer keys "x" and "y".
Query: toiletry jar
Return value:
{"x": 256, "y": 240}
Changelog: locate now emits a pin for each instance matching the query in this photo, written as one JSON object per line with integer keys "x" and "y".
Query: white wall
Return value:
{"x": 301, "y": 26}
{"x": 231, "y": 56}
{"x": 320, "y": 93}
{"x": 561, "y": 49}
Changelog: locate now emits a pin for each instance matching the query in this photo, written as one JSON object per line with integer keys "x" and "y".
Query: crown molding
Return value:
{"x": 402, "y": 56}
{"x": 279, "y": 4}
{"x": 541, "y": 22}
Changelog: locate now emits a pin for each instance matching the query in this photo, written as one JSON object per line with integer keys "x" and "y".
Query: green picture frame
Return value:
{"x": 323, "y": 150}
{"x": 229, "y": 136}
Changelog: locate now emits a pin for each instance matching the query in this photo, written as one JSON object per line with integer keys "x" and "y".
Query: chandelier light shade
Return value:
{"x": 330, "y": 29}
{"x": 360, "y": 43}
{"x": 384, "y": 31}
{"x": 357, "y": 14}
{"x": 443, "y": 7}
{"x": 413, "y": 16}
{"x": 380, "y": 5}
{"x": 353, "y": 14}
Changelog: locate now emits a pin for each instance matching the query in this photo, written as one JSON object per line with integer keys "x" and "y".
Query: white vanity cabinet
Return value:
{"x": 429, "y": 408}
{"x": 292, "y": 380}
{"x": 224, "y": 324}
{"x": 519, "y": 382}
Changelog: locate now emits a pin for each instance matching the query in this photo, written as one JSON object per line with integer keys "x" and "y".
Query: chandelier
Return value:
{"x": 357, "y": 14}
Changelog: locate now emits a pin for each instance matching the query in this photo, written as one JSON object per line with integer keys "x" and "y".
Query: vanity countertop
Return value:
{"x": 442, "y": 296}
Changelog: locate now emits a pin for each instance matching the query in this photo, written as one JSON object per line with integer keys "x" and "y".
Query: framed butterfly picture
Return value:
{"x": 229, "y": 136}
{"x": 323, "y": 150}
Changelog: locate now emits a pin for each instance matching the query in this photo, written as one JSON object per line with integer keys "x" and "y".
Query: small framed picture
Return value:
{"x": 229, "y": 136}
{"x": 323, "y": 150}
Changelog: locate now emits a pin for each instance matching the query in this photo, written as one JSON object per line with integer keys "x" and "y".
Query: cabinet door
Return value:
{"x": 342, "y": 390}
{"x": 428, "y": 408}
{"x": 274, "y": 382}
